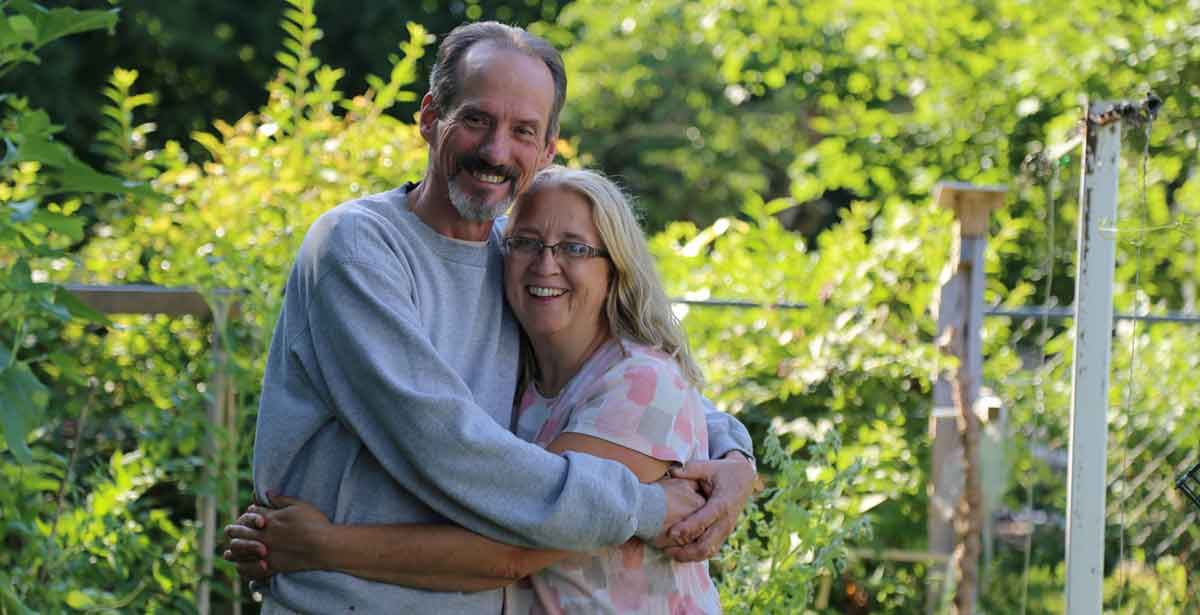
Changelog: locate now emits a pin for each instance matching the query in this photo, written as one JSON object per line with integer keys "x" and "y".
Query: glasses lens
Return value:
{"x": 524, "y": 245}
{"x": 575, "y": 250}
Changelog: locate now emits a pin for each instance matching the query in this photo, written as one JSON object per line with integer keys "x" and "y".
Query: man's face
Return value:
{"x": 489, "y": 145}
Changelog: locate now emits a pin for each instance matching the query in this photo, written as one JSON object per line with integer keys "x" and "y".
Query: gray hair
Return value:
{"x": 636, "y": 305}
{"x": 444, "y": 83}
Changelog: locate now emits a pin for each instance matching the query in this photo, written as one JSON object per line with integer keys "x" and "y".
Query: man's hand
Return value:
{"x": 728, "y": 483}
{"x": 265, "y": 541}
{"x": 683, "y": 500}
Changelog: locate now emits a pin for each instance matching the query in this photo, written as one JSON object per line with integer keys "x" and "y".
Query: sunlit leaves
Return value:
{"x": 26, "y": 26}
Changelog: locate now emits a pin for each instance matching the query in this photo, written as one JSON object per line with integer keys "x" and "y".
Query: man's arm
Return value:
{"x": 300, "y": 537}
{"x": 726, "y": 434}
{"x": 418, "y": 419}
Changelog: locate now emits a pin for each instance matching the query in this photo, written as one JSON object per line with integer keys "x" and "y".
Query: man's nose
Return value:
{"x": 495, "y": 148}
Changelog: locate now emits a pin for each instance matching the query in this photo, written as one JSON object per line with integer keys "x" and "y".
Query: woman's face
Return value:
{"x": 556, "y": 297}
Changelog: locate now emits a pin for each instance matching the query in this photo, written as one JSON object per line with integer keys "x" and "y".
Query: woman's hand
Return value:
{"x": 265, "y": 541}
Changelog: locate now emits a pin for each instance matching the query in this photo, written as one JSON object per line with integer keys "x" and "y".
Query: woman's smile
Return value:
{"x": 557, "y": 296}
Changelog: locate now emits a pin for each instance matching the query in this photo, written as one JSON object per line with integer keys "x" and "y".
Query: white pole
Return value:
{"x": 1089, "y": 392}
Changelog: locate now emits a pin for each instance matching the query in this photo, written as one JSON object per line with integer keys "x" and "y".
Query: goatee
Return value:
{"x": 475, "y": 209}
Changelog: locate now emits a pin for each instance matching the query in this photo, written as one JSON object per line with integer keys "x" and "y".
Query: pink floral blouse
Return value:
{"x": 636, "y": 397}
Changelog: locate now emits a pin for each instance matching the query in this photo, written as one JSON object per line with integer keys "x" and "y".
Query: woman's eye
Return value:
{"x": 577, "y": 249}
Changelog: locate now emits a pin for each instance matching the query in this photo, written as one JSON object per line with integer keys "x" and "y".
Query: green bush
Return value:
{"x": 105, "y": 417}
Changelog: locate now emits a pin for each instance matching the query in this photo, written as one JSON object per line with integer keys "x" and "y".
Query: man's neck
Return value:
{"x": 432, "y": 205}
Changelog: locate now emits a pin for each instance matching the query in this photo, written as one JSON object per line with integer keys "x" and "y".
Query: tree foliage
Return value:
{"x": 736, "y": 124}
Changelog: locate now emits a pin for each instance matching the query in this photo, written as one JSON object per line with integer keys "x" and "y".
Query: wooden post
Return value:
{"x": 954, "y": 520}
{"x": 1089, "y": 386}
{"x": 222, "y": 412}
{"x": 224, "y": 403}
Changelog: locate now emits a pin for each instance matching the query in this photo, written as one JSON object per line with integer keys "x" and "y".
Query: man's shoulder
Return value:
{"x": 356, "y": 229}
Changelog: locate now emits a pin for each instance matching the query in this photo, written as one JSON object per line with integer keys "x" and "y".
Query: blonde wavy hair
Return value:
{"x": 636, "y": 305}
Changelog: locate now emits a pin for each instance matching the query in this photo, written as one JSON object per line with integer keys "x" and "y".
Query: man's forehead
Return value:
{"x": 489, "y": 69}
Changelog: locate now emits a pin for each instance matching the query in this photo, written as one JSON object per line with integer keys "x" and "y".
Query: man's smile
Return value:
{"x": 488, "y": 178}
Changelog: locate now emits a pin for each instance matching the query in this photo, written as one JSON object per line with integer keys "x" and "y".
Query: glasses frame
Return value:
{"x": 590, "y": 252}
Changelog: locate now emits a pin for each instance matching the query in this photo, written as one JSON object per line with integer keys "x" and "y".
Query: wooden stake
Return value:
{"x": 954, "y": 501}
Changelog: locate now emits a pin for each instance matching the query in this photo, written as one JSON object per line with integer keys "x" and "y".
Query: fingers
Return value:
{"x": 694, "y": 470}
{"x": 246, "y": 549}
{"x": 690, "y": 492}
{"x": 244, "y": 532}
{"x": 697, "y": 523}
{"x": 704, "y": 548}
{"x": 253, "y": 519}
{"x": 254, "y": 571}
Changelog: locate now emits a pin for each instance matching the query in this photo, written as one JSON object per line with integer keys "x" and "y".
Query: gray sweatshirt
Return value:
{"x": 387, "y": 398}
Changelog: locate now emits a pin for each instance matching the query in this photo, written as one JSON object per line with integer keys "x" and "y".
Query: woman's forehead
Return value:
{"x": 553, "y": 208}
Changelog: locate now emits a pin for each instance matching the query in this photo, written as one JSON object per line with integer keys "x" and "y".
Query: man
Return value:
{"x": 388, "y": 389}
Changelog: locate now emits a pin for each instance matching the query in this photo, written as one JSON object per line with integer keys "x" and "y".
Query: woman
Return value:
{"x": 608, "y": 373}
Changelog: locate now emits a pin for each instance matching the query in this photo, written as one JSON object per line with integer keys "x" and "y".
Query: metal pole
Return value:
{"x": 1089, "y": 391}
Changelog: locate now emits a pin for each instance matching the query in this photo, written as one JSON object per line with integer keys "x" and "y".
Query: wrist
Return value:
{"x": 652, "y": 512}
{"x": 742, "y": 456}
{"x": 317, "y": 548}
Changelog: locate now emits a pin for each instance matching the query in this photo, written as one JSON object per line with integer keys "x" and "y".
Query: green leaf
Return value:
{"x": 79, "y": 600}
{"x": 58, "y": 23}
{"x": 53, "y": 309}
{"x": 9, "y": 603}
{"x": 74, "y": 175}
{"x": 22, "y": 28}
{"x": 22, "y": 398}
{"x": 20, "y": 277}
{"x": 78, "y": 308}
{"x": 69, "y": 226}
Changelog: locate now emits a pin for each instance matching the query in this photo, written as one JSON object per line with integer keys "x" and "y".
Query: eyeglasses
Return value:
{"x": 571, "y": 250}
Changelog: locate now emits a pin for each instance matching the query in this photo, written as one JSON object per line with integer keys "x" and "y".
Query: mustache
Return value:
{"x": 473, "y": 163}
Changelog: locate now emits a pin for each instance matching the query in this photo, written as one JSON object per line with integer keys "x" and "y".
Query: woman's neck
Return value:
{"x": 559, "y": 358}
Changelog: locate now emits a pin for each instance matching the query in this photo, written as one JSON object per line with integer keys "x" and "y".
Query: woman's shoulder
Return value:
{"x": 636, "y": 355}
{"x": 642, "y": 367}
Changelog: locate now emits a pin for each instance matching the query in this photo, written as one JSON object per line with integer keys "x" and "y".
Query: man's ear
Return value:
{"x": 550, "y": 151}
{"x": 427, "y": 119}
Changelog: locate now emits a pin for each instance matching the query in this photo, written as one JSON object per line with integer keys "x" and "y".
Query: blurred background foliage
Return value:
{"x": 781, "y": 153}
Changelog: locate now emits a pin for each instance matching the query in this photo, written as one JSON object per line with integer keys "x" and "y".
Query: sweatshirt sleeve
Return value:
{"x": 726, "y": 434}
{"x": 419, "y": 419}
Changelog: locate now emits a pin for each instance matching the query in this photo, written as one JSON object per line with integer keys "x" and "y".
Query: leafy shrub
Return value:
{"x": 121, "y": 402}
{"x": 795, "y": 532}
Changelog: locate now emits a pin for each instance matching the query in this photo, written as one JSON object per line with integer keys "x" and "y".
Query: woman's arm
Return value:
{"x": 437, "y": 557}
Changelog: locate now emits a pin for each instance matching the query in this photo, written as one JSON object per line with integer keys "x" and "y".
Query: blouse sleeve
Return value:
{"x": 644, "y": 404}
